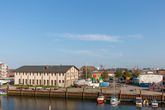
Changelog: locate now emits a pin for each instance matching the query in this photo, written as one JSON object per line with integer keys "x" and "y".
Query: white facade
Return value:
{"x": 3, "y": 70}
{"x": 150, "y": 78}
{"x": 46, "y": 78}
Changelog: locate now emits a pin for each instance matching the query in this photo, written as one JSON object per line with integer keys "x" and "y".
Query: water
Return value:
{"x": 29, "y": 103}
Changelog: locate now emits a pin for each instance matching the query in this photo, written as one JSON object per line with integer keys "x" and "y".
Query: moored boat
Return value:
{"x": 145, "y": 102}
{"x": 100, "y": 99}
{"x": 154, "y": 103}
{"x": 2, "y": 93}
{"x": 139, "y": 101}
{"x": 114, "y": 101}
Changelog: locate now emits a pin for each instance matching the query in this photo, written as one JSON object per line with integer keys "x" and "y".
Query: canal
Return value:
{"x": 31, "y": 103}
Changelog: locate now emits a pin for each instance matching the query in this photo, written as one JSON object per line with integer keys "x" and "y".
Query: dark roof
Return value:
{"x": 45, "y": 68}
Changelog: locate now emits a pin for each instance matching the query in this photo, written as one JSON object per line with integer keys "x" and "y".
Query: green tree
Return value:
{"x": 127, "y": 75}
{"x": 118, "y": 73}
{"x": 105, "y": 75}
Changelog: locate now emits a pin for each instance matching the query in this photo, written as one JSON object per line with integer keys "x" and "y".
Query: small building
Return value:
{"x": 147, "y": 79}
{"x": 49, "y": 75}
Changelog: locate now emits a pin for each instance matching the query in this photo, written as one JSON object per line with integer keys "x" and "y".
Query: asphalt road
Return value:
{"x": 126, "y": 89}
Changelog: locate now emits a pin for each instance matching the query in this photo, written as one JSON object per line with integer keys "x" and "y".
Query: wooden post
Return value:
{"x": 7, "y": 89}
{"x": 50, "y": 92}
{"x": 120, "y": 94}
{"x": 21, "y": 91}
{"x": 35, "y": 91}
{"x": 140, "y": 93}
{"x": 162, "y": 96}
{"x": 101, "y": 90}
{"x": 83, "y": 93}
{"x": 66, "y": 93}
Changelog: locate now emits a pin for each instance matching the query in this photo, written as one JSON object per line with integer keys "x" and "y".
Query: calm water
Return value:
{"x": 24, "y": 103}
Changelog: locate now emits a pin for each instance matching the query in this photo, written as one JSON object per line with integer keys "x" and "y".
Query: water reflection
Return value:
{"x": 30, "y": 103}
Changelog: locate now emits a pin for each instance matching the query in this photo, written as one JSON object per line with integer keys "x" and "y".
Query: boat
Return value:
{"x": 100, "y": 99}
{"x": 154, "y": 103}
{"x": 114, "y": 100}
{"x": 145, "y": 102}
{"x": 139, "y": 101}
{"x": 3, "y": 93}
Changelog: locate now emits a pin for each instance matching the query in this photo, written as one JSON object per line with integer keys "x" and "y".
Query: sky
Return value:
{"x": 112, "y": 33}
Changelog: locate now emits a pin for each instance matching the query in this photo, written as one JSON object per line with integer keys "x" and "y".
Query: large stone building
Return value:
{"x": 62, "y": 75}
{"x": 3, "y": 70}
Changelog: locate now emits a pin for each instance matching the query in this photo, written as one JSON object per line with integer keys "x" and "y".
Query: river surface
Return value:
{"x": 30, "y": 103}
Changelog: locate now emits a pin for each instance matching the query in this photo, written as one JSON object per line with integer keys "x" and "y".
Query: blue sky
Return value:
{"x": 114, "y": 33}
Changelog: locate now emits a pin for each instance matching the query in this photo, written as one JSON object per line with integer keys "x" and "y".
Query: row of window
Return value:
{"x": 39, "y": 74}
{"x": 39, "y": 82}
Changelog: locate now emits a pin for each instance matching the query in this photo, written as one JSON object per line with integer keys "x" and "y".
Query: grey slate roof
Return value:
{"x": 45, "y": 68}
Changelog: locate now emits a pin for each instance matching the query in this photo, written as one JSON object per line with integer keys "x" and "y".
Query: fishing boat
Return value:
{"x": 114, "y": 100}
{"x": 139, "y": 101}
{"x": 154, "y": 103}
{"x": 100, "y": 99}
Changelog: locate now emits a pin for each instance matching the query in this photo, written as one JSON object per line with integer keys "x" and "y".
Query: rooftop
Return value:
{"x": 45, "y": 68}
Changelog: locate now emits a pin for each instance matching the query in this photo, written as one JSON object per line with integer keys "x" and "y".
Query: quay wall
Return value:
{"x": 80, "y": 95}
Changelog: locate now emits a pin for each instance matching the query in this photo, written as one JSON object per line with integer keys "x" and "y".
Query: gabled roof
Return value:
{"x": 46, "y": 68}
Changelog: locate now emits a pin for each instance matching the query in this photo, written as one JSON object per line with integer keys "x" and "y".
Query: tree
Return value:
{"x": 127, "y": 75}
{"x": 86, "y": 73}
{"x": 105, "y": 75}
{"x": 136, "y": 73}
{"x": 118, "y": 73}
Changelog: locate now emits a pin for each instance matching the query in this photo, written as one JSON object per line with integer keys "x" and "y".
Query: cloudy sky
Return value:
{"x": 123, "y": 33}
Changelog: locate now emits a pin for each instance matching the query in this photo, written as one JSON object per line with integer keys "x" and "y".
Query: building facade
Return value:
{"x": 162, "y": 72}
{"x": 3, "y": 70}
{"x": 62, "y": 75}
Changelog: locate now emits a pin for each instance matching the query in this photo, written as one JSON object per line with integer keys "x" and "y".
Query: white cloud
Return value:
{"x": 95, "y": 37}
{"x": 92, "y": 37}
{"x": 86, "y": 37}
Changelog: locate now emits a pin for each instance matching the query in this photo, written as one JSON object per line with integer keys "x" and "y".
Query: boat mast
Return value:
{"x": 114, "y": 92}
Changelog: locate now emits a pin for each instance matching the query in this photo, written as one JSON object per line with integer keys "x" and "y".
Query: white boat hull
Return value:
{"x": 115, "y": 103}
{"x": 154, "y": 104}
{"x": 139, "y": 104}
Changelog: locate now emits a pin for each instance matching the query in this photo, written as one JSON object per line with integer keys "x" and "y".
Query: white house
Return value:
{"x": 49, "y": 75}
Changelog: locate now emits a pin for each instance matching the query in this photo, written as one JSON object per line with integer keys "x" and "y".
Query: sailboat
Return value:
{"x": 114, "y": 100}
